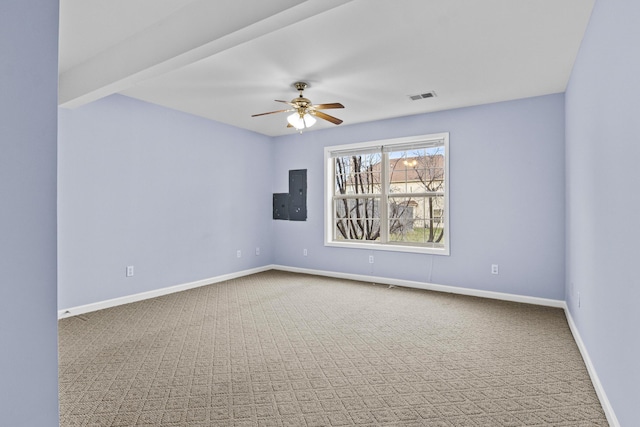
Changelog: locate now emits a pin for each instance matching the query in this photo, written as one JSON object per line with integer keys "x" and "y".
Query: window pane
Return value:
{"x": 416, "y": 234}
{"x": 358, "y": 174}
{"x": 357, "y": 219}
{"x": 416, "y": 219}
{"x": 416, "y": 170}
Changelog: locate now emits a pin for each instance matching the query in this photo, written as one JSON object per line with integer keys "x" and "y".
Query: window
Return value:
{"x": 389, "y": 195}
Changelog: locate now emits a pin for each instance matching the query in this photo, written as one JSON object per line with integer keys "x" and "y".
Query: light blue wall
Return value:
{"x": 172, "y": 194}
{"x": 28, "y": 326}
{"x": 507, "y": 199}
{"x": 603, "y": 201}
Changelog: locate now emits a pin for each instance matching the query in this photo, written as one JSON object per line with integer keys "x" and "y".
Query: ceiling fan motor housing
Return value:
{"x": 301, "y": 102}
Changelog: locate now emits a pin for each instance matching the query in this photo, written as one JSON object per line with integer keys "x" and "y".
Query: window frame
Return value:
{"x": 384, "y": 147}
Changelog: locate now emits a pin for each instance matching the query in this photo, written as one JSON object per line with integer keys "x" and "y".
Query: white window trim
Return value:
{"x": 329, "y": 176}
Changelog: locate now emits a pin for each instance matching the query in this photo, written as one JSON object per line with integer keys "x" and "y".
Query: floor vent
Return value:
{"x": 422, "y": 96}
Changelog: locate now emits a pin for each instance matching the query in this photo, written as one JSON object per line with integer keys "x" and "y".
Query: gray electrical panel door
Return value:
{"x": 281, "y": 206}
{"x": 298, "y": 195}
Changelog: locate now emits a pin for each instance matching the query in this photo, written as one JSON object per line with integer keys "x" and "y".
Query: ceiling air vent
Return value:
{"x": 423, "y": 96}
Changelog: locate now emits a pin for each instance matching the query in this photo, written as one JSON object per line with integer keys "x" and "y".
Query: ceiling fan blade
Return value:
{"x": 285, "y": 102}
{"x": 327, "y": 117}
{"x": 327, "y": 106}
{"x": 289, "y": 125}
{"x": 271, "y": 112}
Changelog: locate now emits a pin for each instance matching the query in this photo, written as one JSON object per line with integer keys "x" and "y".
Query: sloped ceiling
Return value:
{"x": 228, "y": 60}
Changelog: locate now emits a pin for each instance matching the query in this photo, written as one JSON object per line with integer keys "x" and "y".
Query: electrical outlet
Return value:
{"x": 129, "y": 270}
{"x": 304, "y": 252}
{"x": 238, "y": 253}
{"x": 370, "y": 259}
{"x": 494, "y": 268}
{"x": 257, "y": 251}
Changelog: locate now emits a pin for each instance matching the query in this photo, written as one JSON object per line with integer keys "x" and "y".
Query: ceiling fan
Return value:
{"x": 304, "y": 110}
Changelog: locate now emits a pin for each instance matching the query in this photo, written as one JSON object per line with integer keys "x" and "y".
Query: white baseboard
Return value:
{"x": 604, "y": 400}
{"x": 74, "y": 311}
{"x": 428, "y": 286}
{"x": 81, "y": 309}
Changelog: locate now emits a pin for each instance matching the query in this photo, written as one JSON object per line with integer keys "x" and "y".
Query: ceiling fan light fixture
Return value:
{"x": 300, "y": 122}
{"x": 309, "y": 120}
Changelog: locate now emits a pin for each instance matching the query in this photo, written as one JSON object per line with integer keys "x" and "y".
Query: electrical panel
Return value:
{"x": 292, "y": 205}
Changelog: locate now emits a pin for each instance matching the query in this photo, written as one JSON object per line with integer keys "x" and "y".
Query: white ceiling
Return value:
{"x": 227, "y": 60}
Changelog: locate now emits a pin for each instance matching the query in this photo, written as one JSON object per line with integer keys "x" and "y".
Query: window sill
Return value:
{"x": 389, "y": 247}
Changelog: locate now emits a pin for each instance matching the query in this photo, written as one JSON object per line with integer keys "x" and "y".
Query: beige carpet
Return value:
{"x": 283, "y": 349}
